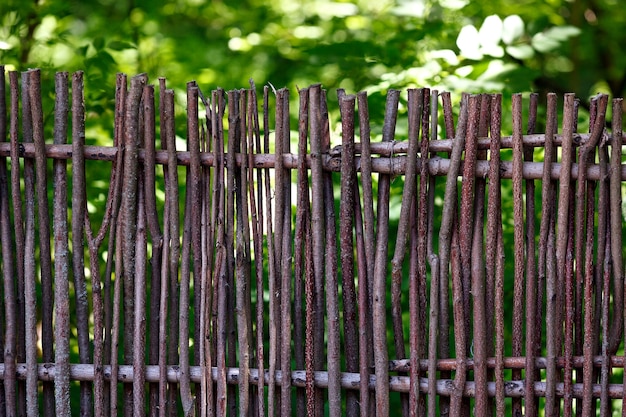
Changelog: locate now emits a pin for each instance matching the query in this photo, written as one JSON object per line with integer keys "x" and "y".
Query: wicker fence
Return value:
{"x": 248, "y": 287}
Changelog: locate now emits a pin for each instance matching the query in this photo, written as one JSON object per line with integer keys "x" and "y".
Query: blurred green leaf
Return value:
{"x": 98, "y": 43}
{"x": 82, "y": 51}
{"x": 543, "y": 43}
{"x": 120, "y": 45}
{"x": 562, "y": 33}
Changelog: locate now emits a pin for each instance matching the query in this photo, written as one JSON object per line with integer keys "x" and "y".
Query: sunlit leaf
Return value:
{"x": 490, "y": 32}
{"x": 495, "y": 69}
{"x": 328, "y": 10}
{"x": 469, "y": 43}
{"x": 447, "y": 55}
{"x": 464, "y": 71}
{"x": 512, "y": 29}
{"x": 562, "y": 33}
{"x": 453, "y": 4}
{"x": 543, "y": 43}
{"x": 552, "y": 38}
{"x": 495, "y": 51}
{"x": 520, "y": 51}
{"x": 410, "y": 8}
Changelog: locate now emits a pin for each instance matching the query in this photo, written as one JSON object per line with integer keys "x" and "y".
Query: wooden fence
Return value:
{"x": 268, "y": 279}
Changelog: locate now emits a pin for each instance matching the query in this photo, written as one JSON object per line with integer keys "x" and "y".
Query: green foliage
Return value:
{"x": 355, "y": 45}
{"x": 452, "y": 45}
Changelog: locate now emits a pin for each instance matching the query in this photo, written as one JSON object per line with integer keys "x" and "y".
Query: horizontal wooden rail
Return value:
{"x": 331, "y": 162}
{"x": 515, "y": 362}
{"x": 445, "y": 145}
{"x": 349, "y": 380}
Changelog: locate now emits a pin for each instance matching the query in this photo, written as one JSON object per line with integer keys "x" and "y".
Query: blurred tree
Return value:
{"x": 349, "y": 44}
{"x": 458, "y": 45}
